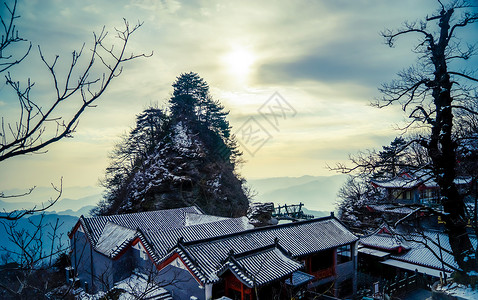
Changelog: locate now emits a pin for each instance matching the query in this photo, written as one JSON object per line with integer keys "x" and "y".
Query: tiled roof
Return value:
{"x": 425, "y": 251}
{"x": 414, "y": 179}
{"x": 384, "y": 238}
{"x": 260, "y": 267}
{"x": 194, "y": 219}
{"x": 150, "y": 220}
{"x": 299, "y": 278}
{"x": 422, "y": 247}
{"x": 384, "y": 241}
{"x": 163, "y": 241}
{"x": 113, "y": 237}
{"x": 398, "y": 182}
{"x": 391, "y": 208}
{"x": 297, "y": 239}
{"x": 262, "y": 254}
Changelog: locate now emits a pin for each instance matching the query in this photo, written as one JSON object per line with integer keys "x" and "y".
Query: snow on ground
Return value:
{"x": 458, "y": 290}
{"x": 84, "y": 296}
{"x": 181, "y": 138}
{"x": 134, "y": 287}
{"x": 137, "y": 287}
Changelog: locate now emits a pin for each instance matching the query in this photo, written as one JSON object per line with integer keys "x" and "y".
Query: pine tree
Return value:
{"x": 186, "y": 157}
{"x": 391, "y": 158}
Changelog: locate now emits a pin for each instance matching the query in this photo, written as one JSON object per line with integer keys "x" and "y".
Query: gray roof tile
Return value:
{"x": 297, "y": 239}
{"x": 150, "y": 220}
{"x": 422, "y": 247}
{"x": 260, "y": 267}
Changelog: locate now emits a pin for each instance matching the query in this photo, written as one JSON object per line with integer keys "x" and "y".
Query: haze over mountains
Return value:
{"x": 74, "y": 201}
{"x": 317, "y": 193}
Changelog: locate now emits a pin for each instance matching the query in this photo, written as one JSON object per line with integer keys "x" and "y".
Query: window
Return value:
{"x": 344, "y": 254}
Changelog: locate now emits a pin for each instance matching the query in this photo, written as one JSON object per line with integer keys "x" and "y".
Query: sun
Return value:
{"x": 239, "y": 62}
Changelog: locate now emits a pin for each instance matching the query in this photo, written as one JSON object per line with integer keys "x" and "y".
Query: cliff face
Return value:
{"x": 181, "y": 171}
{"x": 180, "y": 156}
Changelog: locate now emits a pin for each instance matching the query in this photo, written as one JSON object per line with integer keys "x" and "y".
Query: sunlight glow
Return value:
{"x": 239, "y": 62}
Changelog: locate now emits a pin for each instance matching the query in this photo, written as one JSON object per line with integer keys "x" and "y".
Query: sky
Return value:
{"x": 298, "y": 78}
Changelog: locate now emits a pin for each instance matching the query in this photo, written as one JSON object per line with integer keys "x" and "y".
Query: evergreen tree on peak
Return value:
{"x": 190, "y": 84}
{"x": 176, "y": 159}
{"x": 189, "y": 95}
{"x": 193, "y": 105}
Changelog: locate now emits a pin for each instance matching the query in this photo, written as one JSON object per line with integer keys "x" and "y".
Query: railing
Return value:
{"x": 290, "y": 212}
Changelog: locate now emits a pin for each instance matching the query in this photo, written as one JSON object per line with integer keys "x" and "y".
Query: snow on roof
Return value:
{"x": 422, "y": 247}
{"x": 113, "y": 237}
{"x": 425, "y": 251}
{"x": 299, "y": 278}
{"x": 373, "y": 252}
{"x": 414, "y": 179}
{"x": 150, "y": 220}
{"x": 206, "y": 246}
{"x": 385, "y": 241}
{"x": 260, "y": 267}
{"x": 163, "y": 241}
{"x": 194, "y": 219}
{"x": 391, "y": 208}
{"x": 415, "y": 268}
{"x": 397, "y": 182}
{"x": 463, "y": 180}
{"x": 297, "y": 239}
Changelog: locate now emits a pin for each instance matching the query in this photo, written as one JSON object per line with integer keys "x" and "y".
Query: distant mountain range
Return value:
{"x": 65, "y": 206}
{"x": 317, "y": 193}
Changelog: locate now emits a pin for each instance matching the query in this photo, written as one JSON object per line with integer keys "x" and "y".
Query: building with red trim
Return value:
{"x": 189, "y": 254}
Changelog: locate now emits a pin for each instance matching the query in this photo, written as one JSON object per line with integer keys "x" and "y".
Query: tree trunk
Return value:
{"x": 442, "y": 150}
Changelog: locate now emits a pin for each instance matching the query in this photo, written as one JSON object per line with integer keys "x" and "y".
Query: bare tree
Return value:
{"x": 42, "y": 122}
{"x": 148, "y": 284}
{"x": 431, "y": 92}
{"x": 354, "y": 195}
{"x": 28, "y": 261}
{"x": 10, "y": 36}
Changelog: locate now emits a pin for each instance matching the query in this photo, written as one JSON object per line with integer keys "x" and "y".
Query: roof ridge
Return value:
{"x": 88, "y": 231}
{"x": 231, "y": 259}
{"x": 194, "y": 225}
{"x": 259, "y": 229}
{"x": 251, "y": 252}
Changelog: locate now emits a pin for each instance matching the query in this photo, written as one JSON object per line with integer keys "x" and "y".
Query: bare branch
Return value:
{"x": 464, "y": 76}
{"x": 32, "y": 126}
{"x": 3, "y": 196}
{"x": 9, "y": 37}
{"x": 20, "y": 213}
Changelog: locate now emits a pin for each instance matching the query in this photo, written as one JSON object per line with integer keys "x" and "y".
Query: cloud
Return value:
{"x": 325, "y": 57}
